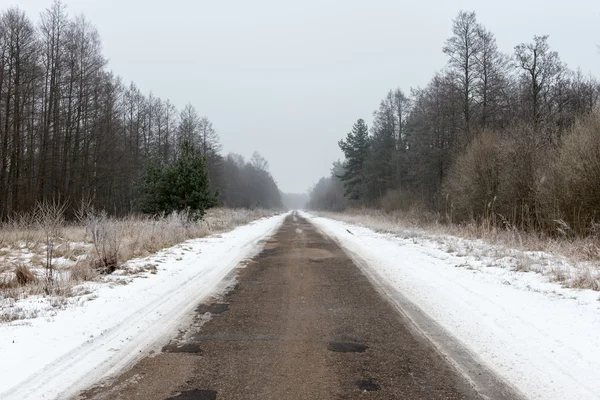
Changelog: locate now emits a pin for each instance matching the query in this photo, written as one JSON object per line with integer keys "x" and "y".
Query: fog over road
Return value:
{"x": 301, "y": 322}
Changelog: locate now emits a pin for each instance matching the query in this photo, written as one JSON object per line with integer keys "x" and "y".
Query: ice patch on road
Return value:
{"x": 539, "y": 336}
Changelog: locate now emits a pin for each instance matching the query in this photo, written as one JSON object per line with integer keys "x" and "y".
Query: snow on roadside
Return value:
{"x": 542, "y": 338}
{"x": 571, "y": 263}
{"x": 53, "y": 357}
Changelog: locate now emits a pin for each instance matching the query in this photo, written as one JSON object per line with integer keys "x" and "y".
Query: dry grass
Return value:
{"x": 140, "y": 236}
{"x": 414, "y": 224}
{"x": 82, "y": 272}
{"x": 582, "y": 253}
{"x": 24, "y": 276}
{"x": 62, "y": 286}
{"x": 13, "y": 313}
{"x": 98, "y": 244}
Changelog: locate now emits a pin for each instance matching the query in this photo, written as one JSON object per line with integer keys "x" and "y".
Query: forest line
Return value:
{"x": 507, "y": 139}
{"x": 71, "y": 130}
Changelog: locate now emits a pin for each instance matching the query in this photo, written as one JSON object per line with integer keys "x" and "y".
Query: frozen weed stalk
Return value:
{"x": 50, "y": 220}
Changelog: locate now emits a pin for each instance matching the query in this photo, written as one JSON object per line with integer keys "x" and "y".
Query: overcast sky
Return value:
{"x": 289, "y": 79}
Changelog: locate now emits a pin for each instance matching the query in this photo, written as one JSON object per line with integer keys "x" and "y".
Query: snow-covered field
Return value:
{"x": 56, "y": 354}
{"x": 541, "y": 337}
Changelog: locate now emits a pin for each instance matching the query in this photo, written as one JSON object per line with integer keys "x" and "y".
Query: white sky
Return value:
{"x": 290, "y": 78}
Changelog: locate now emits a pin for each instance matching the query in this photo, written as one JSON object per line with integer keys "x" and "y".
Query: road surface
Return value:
{"x": 301, "y": 322}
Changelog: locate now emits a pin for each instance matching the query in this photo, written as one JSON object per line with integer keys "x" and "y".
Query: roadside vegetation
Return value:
{"x": 43, "y": 255}
{"x": 501, "y": 147}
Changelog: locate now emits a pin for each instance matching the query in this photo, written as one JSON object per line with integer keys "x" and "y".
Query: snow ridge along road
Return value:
{"x": 48, "y": 358}
{"x": 538, "y": 336}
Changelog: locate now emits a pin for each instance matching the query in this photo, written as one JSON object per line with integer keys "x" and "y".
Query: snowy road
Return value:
{"x": 302, "y": 323}
{"x": 486, "y": 321}
{"x": 53, "y": 357}
{"x": 540, "y": 337}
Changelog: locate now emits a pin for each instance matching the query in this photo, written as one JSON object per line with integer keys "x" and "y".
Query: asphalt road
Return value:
{"x": 302, "y": 322}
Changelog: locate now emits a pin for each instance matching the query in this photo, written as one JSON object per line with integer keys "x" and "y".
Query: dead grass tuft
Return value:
{"x": 524, "y": 263}
{"x": 589, "y": 250}
{"x": 82, "y": 272}
{"x": 16, "y": 313}
{"x": 586, "y": 280}
{"x": 7, "y": 282}
{"x": 24, "y": 276}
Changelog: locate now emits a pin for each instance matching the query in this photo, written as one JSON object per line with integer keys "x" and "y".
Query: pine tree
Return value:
{"x": 152, "y": 188}
{"x": 188, "y": 187}
{"x": 383, "y": 164}
{"x": 356, "y": 150}
{"x": 181, "y": 186}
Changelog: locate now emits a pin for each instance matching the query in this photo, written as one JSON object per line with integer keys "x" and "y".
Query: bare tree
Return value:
{"x": 491, "y": 67}
{"x": 18, "y": 46}
{"x": 259, "y": 162}
{"x": 53, "y": 24}
{"x": 189, "y": 126}
{"x": 463, "y": 49}
{"x": 542, "y": 68}
{"x": 208, "y": 137}
{"x": 49, "y": 216}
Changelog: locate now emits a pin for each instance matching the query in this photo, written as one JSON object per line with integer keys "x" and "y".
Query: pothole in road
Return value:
{"x": 214, "y": 308}
{"x": 368, "y": 385}
{"x": 347, "y": 347}
{"x": 315, "y": 261}
{"x": 195, "y": 395}
{"x": 184, "y": 348}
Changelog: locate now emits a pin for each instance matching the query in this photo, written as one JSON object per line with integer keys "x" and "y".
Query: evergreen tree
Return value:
{"x": 181, "y": 186}
{"x": 382, "y": 163}
{"x": 152, "y": 188}
{"x": 356, "y": 150}
{"x": 188, "y": 187}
